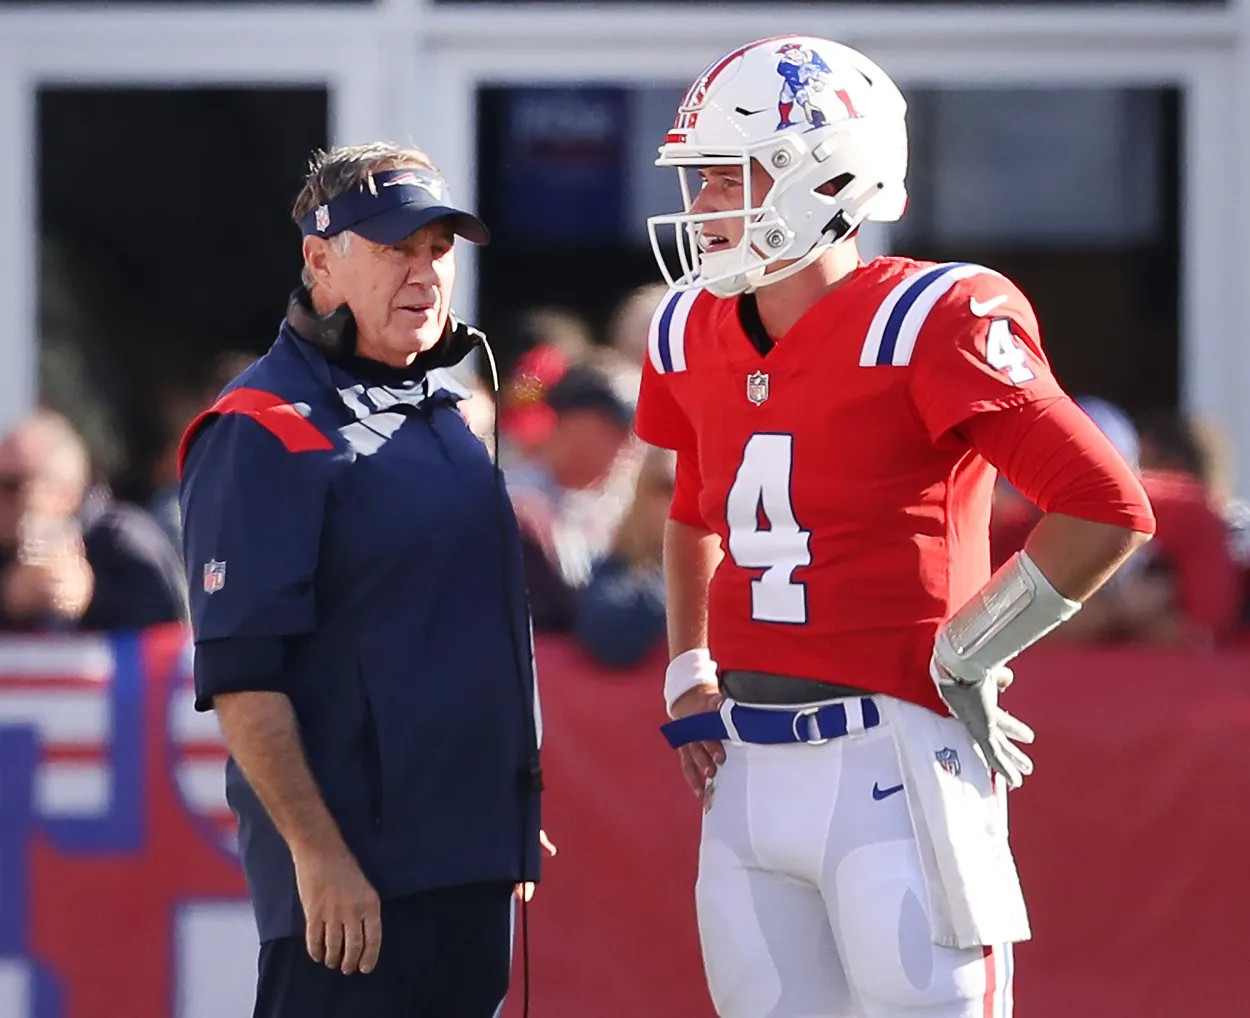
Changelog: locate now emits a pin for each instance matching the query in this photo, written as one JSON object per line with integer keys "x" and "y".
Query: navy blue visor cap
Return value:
{"x": 400, "y": 203}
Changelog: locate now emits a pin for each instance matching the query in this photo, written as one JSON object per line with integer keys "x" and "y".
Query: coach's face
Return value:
{"x": 399, "y": 294}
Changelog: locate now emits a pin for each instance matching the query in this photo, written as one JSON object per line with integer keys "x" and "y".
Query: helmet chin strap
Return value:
{"x": 758, "y": 275}
{"x": 856, "y": 203}
{"x": 854, "y": 213}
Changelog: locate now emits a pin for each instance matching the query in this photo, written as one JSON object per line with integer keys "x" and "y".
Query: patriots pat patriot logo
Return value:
{"x": 214, "y": 576}
{"x": 811, "y": 85}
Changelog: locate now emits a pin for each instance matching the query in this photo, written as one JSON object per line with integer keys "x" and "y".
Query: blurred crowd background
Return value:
{"x": 164, "y": 254}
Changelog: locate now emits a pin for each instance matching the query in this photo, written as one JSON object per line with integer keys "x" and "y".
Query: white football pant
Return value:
{"x": 810, "y": 897}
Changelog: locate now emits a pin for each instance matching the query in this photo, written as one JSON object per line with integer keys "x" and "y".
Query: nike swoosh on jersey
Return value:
{"x": 983, "y": 308}
{"x": 880, "y": 793}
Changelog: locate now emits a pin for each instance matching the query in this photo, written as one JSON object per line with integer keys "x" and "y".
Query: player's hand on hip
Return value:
{"x": 975, "y": 702}
{"x": 342, "y": 911}
{"x": 699, "y": 760}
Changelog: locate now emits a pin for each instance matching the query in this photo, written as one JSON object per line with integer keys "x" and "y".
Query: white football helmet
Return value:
{"x": 809, "y": 111}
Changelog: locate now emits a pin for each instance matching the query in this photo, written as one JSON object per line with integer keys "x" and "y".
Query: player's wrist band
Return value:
{"x": 685, "y": 672}
{"x": 1015, "y": 609}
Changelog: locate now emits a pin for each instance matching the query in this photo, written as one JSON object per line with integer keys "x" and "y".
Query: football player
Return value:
{"x": 838, "y": 643}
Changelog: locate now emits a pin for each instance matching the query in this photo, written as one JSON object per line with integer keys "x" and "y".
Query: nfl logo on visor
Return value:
{"x": 214, "y": 576}
{"x": 757, "y": 387}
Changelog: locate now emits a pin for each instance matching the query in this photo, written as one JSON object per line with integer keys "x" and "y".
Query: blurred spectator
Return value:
{"x": 561, "y": 495}
{"x": 620, "y": 612}
{"x": 1181, "y": 589}
{"x": 178, "y": 409}
{"x": 1237, "y": 518}
{"x": 560, "y": 328}
{"x": 1116, "y": 425}
{"x": 1014, "y": 516}
{"x": 69, "y": 559}
{"x": 1131, "y": 589}
{"x": 627, "y": 336}
{"x": 627, "y": 332}
{"x": 1193, "y": 549}
{"x": 525, "y": 419}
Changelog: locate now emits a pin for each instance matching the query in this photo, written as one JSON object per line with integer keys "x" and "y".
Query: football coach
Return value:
{"x": 360, "y": 620}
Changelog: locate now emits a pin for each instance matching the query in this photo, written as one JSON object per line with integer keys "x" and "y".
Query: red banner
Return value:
{"x": 120, "y": 896}
{"x": 1132, "y": 838}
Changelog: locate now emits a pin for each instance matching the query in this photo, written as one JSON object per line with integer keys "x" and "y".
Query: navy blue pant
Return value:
{"x": 445, "y": 954}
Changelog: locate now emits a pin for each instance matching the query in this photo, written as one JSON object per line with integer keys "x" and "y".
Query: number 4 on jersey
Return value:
{"x": 762, "y": 485}
{"x": 1003, "y": 353}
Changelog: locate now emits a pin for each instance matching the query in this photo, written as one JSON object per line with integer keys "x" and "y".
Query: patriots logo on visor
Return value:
{"x": 434, "y": 187}
{"x": 403, "y": 178}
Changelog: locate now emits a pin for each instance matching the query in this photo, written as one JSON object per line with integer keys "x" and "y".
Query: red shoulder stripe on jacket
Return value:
{"x": 277, "y": 416}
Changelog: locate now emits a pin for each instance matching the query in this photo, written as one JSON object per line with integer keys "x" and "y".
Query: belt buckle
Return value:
{"x": 807, "y": 712}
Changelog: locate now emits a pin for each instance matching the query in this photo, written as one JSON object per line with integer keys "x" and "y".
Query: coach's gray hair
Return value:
{"x": 345, "y": 167}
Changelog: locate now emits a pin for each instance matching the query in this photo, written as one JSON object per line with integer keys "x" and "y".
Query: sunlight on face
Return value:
{"x": 721, "y": 191}
{"x": 399, "y": 294}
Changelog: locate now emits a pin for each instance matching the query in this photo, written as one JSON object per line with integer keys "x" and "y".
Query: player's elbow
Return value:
{"x": 1113, "y": 541}
{"x": 1119, "y": 542}
{"x": 1079, "y": 555}
{"x": 1135, "y": 539}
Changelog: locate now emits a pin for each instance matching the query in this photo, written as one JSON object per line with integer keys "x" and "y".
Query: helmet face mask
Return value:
{"x": 849, "y": 128}
{"x": 719, "y": 271}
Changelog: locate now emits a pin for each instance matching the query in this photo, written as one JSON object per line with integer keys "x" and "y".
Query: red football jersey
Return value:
{"x": 853, "y": 516}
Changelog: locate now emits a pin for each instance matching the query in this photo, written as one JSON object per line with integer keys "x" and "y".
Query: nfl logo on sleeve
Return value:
{"x": 214, "y": 576}
{"x": 757, "y": 387}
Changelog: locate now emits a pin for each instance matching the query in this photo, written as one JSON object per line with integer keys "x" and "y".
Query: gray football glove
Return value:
{"x": 975, "y": 703}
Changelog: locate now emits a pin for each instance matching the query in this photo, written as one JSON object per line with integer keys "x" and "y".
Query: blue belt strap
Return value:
{"x": 812, "y": 725}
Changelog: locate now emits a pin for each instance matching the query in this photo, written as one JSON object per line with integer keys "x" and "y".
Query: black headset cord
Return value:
{"x": 532, "y": 774}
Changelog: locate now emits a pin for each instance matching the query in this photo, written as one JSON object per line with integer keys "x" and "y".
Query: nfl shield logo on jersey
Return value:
{"x": 214, "y": 576}
{"x": 757, "y": 387}
{"x": 948, "y": 760}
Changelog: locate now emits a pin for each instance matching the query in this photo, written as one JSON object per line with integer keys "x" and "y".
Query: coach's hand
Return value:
{"x": 342, "y": 911}
{"x": 525, "y": 892}
{"x": 975, "y": 703}
{"x": 699, "y": 760}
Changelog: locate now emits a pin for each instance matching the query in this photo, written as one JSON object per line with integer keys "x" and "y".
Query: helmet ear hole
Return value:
{"x": 831, "y": 187}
